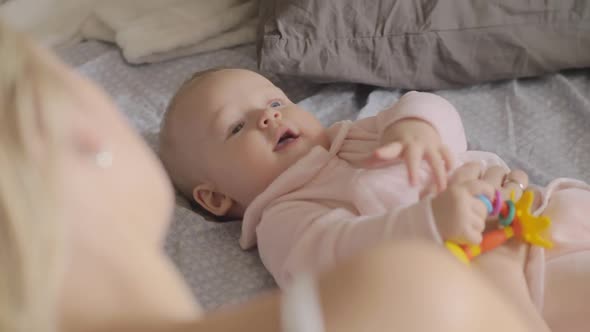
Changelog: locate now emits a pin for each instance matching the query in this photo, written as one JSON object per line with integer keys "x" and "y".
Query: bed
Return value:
{"x": 540, "y": 125}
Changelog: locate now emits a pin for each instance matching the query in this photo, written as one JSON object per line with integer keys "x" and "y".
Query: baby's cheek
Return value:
{"x": 256, "y": 167}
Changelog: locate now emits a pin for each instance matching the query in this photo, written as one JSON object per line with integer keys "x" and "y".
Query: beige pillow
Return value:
{"x": 426, "y": 44}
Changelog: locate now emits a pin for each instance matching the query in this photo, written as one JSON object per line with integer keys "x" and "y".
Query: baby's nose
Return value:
{"x": 268, "y": 116}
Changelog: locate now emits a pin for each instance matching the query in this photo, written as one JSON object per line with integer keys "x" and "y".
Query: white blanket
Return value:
{"x": 145, "y": 30}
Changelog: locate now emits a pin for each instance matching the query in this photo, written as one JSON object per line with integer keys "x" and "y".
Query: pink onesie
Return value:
{"x": 323, "y": 209}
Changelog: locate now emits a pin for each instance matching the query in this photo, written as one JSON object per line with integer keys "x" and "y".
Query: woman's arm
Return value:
{"x": 404, "y": 287}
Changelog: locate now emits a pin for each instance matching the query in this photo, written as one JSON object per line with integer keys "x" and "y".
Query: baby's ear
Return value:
{"x": 215, "y": 202}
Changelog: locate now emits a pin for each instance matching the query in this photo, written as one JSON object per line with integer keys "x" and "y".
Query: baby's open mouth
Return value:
{"x": 285, "y": 139}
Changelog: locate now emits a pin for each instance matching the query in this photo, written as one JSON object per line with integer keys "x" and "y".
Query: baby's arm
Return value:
{"x": 296, "y": 236}
{"x": 427, "y": 107}
{"x": 420, "y": 126}
{"x": 430, "y": 108}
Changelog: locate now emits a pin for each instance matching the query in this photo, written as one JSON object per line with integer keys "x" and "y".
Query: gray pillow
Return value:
{"x": 422, "y": 44}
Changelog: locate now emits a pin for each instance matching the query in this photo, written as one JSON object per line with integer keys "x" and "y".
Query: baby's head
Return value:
{"x": 228, "y": 134}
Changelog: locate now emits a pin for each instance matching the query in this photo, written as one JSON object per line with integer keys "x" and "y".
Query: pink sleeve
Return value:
{"x": 299, "y": 236}
{"x": 430, "y": 108}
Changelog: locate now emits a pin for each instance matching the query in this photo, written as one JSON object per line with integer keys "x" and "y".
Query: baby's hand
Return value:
{"x": 413, "y": 140}
{"x": 507, "y": 182}
{"x": 459, "y": 214}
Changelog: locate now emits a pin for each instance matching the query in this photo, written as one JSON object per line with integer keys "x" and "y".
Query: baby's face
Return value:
{"x": 250, "y": 132}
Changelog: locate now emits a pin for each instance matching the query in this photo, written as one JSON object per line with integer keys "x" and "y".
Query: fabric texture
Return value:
{"x": 428, "y": 44}
{"x": 539, "y": 125}
{"x": 145, "y": 30}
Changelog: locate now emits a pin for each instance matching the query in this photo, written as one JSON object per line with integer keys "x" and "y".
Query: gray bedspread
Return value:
{"x": 541, "y": 125}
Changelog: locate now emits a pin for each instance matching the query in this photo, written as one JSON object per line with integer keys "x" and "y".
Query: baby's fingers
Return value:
{"x": 468, "y": 236}
{"x": 467, "y": 172}
{"x": 384, "y": 156}
{"x": 447, "y": 157}
{"x": 494, "y": 176}
{"x": 413, "y": 156}
{"x": 480, "y": 212}
{"x": 474, "y": 235}
{"x": 479, "y": 187}
{"x": 472, "y": 230}
{"x": 389, "y": 151}
{"x": 437, "y": 165}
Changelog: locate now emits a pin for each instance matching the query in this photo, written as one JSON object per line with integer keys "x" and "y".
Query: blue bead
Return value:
{"x": 487, "y": 202}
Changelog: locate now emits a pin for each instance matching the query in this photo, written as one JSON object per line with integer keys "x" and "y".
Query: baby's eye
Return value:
{"x": 276, "y": 104}
{"x": 237, "y": 128}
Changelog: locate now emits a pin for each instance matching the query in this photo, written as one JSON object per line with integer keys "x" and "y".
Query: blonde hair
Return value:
{"x": 29, "y": 229}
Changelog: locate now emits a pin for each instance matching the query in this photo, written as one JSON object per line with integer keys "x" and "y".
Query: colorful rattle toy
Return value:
{"x": 516, "y": 220}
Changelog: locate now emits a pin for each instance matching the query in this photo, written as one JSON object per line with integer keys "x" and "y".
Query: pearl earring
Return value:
{"x": 104, "y": 159}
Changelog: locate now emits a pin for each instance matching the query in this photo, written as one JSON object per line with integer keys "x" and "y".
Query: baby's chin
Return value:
{"x": 267, "y": 175}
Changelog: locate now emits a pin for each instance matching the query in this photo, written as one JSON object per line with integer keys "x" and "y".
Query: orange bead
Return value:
{"x": 493, "y": 239}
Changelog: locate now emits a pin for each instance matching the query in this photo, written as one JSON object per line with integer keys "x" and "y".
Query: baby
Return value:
{"x": 310, "y": 196}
